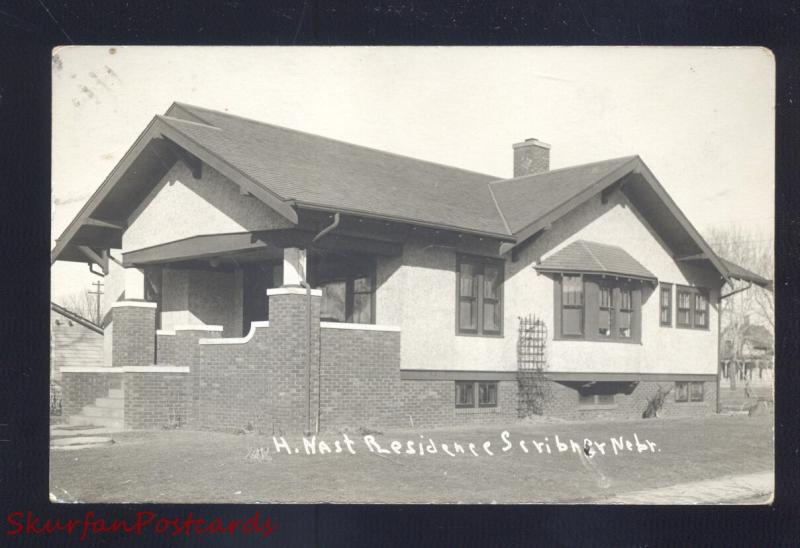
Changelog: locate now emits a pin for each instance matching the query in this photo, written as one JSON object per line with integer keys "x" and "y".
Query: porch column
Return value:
{"x": 294, "y": 266}
{"x": 133, "y": 342}
{"x": 134, "y": 284}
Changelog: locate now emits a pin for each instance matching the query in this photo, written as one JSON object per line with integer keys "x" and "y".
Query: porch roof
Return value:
{"x": 594, "y": 258}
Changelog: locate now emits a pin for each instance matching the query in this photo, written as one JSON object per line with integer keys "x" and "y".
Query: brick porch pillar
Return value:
{"x": 133, "y": 341}
{"x": 298, "y": 362}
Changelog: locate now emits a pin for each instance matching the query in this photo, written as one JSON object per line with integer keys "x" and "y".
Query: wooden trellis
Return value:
{"x": 533, "y": 387}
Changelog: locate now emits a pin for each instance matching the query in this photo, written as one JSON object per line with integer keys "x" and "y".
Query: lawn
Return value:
{"x": 199, "y": 466}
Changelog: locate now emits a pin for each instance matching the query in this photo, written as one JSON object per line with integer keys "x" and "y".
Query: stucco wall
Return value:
{"x": 194, "y": 207}
{"x": 426, "y": 283}
{"x": 203, "y": 297}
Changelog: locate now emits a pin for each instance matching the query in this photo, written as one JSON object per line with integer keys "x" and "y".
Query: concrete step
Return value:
{"x": 80, "y": 446}
{"x": 116, "y": 393}
{"x": 111, "y": 422}
{"x": 81, "y": 440}
{"x": 82, "y": 430}
{"x": 94, "y": 411}
{"x": 110, "y": 403}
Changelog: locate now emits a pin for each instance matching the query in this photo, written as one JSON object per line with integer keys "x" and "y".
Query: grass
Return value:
{"x": 193, "y": 466}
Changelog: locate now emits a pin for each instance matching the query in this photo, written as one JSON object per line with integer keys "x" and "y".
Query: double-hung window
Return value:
{"x": 480, "y": 296}
{"x": 572, "y": 305}
{"x": 598, "y": 308}
{"x": 666, "y": 305}
{"x": 692, "y": 306}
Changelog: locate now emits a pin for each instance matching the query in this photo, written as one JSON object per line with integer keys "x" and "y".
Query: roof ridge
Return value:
{"x": 316, "y": 135}
{"x": 533, "y": 175}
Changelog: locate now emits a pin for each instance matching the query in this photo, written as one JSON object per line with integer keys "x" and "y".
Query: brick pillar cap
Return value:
{"x": 134, "y": 304}
{"x": 293, "y": 291}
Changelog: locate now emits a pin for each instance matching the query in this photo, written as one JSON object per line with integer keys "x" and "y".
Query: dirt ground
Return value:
{"x": 200, "y": 466}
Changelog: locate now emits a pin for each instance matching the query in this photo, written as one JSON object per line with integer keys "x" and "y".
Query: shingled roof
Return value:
{"x": 587, "y": 257}
{"x": 290, "y": 170}
{"x": 307, "y": 169}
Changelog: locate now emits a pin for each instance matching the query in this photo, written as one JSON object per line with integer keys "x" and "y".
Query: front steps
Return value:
{"x": 94, "y": 426}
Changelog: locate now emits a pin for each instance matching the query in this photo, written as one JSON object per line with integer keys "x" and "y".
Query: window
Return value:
{"x": 684, "y": 318}
{"x": 692, "y": 307}
{"x": 595, "y": 399}
{"x": 606, "y": 309}
{"x": 572, "y": 305}
{"x": 348, "y": 287}
{"x": 480, "y": 296}
{"x": 598, "y": 308}
{"x": 625, "y": 313}
{"x": 465, "y": 394}
{"x": 700, "y": 310}
{"x": 666, "y": 305}
{"x": 689, "y": 391}
{"x": 486, "y": 394}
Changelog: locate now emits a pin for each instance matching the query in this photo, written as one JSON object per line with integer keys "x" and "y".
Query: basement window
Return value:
{"x": 476, "y": 394}
{"x": 689, "y": 391}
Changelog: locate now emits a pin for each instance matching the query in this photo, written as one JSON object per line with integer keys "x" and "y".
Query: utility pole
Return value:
{"x": 98, "y": 292}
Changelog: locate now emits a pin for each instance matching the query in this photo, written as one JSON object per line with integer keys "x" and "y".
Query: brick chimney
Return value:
{"x": 531, "y": 156}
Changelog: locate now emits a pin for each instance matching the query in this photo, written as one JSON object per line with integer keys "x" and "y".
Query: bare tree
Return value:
{"x": 81, "y": 303}
{"x": 754, "y": 251}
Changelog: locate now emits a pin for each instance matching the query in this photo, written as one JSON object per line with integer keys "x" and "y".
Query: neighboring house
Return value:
{"x": 755, "y": 359}
{"x": 74, "y": 341}
{"x": 431, "y": 287}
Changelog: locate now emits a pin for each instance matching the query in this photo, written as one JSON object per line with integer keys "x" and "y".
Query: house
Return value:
{"x": 74, "y": 341}
{"x": 755, "y": 356}
{"x": 265, "y": 277}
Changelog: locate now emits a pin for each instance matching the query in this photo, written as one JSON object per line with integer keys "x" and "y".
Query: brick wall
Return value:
{"x": 260, "y": 382}
{"x": 80, "y": 389}
{"x": 134, "y": 335}
{"x": 563, "y": 403}
{"x": 154, "y": 400}
{"x": 165, "y": 349}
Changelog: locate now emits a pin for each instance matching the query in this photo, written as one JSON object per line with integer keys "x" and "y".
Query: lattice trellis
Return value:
{"x": 533, "y": 387}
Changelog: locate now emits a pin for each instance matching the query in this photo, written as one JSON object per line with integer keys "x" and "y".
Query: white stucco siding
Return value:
{"x": 181, "y": 206}
{"x": 202, "y": 297}
{"x": 427, "y": 315}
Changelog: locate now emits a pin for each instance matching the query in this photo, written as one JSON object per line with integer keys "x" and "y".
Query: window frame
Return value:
{"x": 367, "y": 268}
{"x": 475, "y": 392}
{"x": 471, "y": 390}
{"x": 582, "y": 307}
{"x": 662, "y": 307}
{"x": 478, "y": 389}
{"x": 595, "y": 402}
{"x": 690, "y": 398}
{"x": 479, "y": 263}
{"x": 592, "y": 285}
{"x": 693, "y": 292}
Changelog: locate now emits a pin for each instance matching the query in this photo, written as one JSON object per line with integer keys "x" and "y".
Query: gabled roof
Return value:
{"x": 291, "y": 170}
{"x": 741, "y": 273}
{"x": 305, "y": 169}
{"x": 587, "y": 257}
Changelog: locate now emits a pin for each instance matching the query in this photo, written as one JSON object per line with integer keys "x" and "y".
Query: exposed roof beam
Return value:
{"x": 91, "y": 221}
{"x": 695, "y": 257}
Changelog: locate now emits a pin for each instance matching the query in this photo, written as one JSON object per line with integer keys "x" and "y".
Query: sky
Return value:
{"x": 702, "y": 119}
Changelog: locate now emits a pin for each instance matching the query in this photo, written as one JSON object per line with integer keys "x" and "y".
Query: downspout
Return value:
{"x": 720, "y": 341}
{"x": 307, "y": 286}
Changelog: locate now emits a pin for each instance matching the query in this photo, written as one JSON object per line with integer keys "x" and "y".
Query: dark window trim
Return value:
{"x": 482, "y": 261}
{"x": 464, "y": 405}
{"x": 693, "y": 291}
{"x": 476, "y": 394}
{"x": 668, "y": 306}
{"x": 689, "y": 398}
{"x": 591, "y": 308}
{"x": 349, "y": 292}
